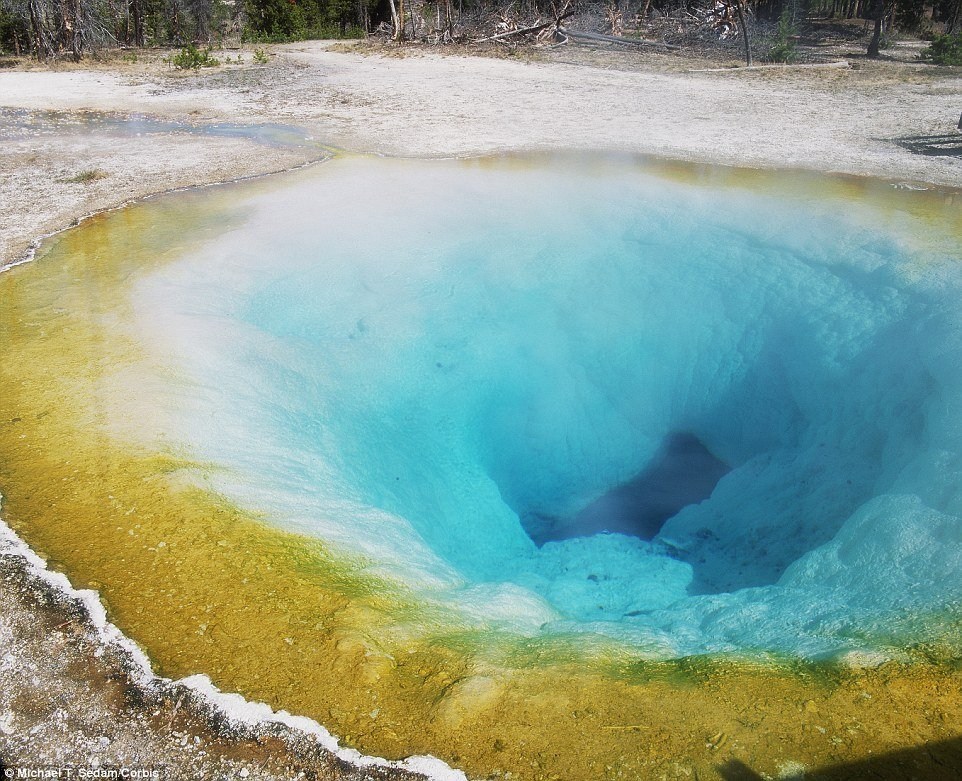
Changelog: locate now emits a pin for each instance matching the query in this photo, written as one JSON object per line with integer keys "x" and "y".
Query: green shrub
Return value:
{"x": 278, "y": 21}
{"x": 944, "y": 50}
{"x": 783, "y": 50}
{"x": 191, "y": 58}
{"x": 260, "y": 56}
{"x": 292, "y": 30}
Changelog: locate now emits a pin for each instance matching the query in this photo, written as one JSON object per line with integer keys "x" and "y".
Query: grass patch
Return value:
{"x": 86, "y": 177}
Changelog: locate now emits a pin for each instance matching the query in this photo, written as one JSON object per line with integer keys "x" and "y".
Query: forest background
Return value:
{"x": 761, "y": 29}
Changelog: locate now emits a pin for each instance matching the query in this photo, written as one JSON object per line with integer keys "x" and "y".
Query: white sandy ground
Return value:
{"x": 64, "y": 697}
{"x": 831, "y": 118}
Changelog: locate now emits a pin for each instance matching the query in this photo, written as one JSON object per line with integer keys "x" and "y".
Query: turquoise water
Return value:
{"x": 426, "y": 364}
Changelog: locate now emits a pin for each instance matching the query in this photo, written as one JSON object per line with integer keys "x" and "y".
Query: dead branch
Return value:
{"x": 583, "y": 35}
{"x": 535, "y": 29}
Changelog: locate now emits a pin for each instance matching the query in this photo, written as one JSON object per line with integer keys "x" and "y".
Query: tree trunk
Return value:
{"x": 396, "y": 34}
{"x": 174, "y": 16}
{"x": 42, "y": 46}
{"x": 953, "y": 18}
{"x": 137, "y": 21}
{"x": 878, "y": 14}
{"x": 745, "y": 34}
{"x": 449, "y": 19}
{"x": 364, "y": 15}
{"x": 73, "y": 28}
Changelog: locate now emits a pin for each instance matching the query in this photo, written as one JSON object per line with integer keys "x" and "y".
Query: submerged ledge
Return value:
{"x": 435, "y": 684}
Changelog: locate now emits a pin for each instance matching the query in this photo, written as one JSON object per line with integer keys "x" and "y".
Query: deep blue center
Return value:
{"x": 591, "y": 399}
{"x": 682, "y": 472}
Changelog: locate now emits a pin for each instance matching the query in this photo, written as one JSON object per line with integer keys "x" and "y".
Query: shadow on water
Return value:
{"x": 945, "y": 145}
{"x": 683, "y": 472}
{"x": 940, "y": 761}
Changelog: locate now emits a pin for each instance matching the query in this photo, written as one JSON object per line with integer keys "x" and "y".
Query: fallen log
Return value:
{"x": 582, "y": 35}
{"x": 535, "y": 28}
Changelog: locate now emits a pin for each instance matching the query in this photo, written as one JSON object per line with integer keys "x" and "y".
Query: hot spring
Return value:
{"x": 439, "y": 369}
{"x": 527, "y": 412}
